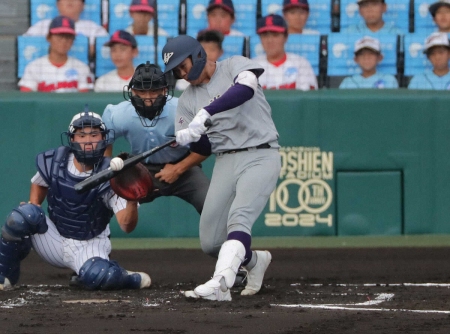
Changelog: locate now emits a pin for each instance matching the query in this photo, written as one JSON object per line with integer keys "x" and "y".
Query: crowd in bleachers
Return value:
{"x": 85, "y": 45}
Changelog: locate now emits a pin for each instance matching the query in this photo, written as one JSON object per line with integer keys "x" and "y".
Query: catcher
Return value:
{"x": 75, "y": 234}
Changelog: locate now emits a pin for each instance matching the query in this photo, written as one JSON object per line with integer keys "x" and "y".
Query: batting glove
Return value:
{"x": 186, "y": 136}
{"x": 197, "y": 126}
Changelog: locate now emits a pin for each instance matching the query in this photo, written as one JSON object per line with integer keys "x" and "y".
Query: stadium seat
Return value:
{"x": 146, "y": 46}
{"x": 245, "y": 16}
{"x": 307, "y": 46}
{"x": 415, "y": 60}
{"x": 341, "y": 54}
{"x": 30, "y": 48}
{"x": 397, "y": 13}
{"x": 319, "y": 13}
{"x": 168, "y": 18}
{"x": 423, "y": 21}
{"x": 232, "y": 46}
{"x": 46, "y": 9}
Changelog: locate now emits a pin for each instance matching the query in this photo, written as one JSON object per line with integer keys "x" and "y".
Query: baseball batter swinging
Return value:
{"x": 245, "y": 141}
{"x": 76, "y": 232}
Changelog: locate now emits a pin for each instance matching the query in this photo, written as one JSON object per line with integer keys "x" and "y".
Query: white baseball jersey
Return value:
{"x": 150, "y": 32}
{"x": 70, "y": 253}
{"x": 110, "y": 82}
{"x": 83, "y": 27}
{"x": 42, "y": 76}
{"x": 295, "y": 72}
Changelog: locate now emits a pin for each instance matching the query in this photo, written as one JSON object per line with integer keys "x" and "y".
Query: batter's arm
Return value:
{"x": 170, "y": 173}
{"x": 37, "y": 194}
{"x": 128, "y": 217}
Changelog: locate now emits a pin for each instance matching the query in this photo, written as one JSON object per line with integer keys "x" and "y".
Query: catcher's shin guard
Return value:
{"x": 11, "y": 253}
{"x": 100, "y": 274}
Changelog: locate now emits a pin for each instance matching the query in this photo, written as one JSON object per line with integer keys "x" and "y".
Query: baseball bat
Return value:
{"x": 107, "y": 174}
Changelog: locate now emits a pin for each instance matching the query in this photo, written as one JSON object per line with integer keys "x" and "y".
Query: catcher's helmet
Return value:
{"x": 181, "y": 47}
{"x": 148, "y": 77}
{"x": 86, "y": 153}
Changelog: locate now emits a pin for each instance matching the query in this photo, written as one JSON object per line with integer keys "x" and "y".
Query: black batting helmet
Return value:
{"x": 181, "y": 47}
{"x": 148, "y": 77}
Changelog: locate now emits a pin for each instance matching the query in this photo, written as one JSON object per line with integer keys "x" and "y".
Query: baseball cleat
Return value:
{"x": 241, "y": 278}
{"x": 5, "y": 284}
{"x": 256, "y": 274}
{"x": 210, "y": 291}
{"x": 145, "y": 279}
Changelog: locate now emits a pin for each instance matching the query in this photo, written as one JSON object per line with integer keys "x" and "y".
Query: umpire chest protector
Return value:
{"x": 76, "y": 216}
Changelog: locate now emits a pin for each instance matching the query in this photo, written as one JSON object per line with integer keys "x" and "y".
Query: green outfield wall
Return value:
{"x": 362, "y": 162}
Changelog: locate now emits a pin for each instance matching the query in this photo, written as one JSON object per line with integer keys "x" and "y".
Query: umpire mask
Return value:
{"x": 148, "y": 77}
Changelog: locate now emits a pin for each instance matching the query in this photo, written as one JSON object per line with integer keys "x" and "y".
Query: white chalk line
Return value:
{"x": 346, "y": 308}
{"x": 381, "y": 297}
{"x": 437, "y": 285}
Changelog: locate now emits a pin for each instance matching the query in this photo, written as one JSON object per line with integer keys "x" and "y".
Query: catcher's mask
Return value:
{"x": 87, "y": 152}
{"x": 148, "y": 77}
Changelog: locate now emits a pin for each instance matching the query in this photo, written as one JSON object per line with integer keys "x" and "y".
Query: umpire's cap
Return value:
{"x": 181, "y": 47}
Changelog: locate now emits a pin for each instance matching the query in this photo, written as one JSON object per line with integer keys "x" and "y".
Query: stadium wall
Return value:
{"x": 355, "y": 162}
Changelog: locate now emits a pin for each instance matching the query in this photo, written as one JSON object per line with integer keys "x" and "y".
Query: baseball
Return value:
{"x": 116, "y": 164}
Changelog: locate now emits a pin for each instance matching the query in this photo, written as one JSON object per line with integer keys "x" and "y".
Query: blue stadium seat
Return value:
{"x": 232, "y": 46}
{"x": 245, "y": 12}
{"x": 46, "y": 9}
{"x": 168, "y": 18}
{"x": 423, "y": 21}
{"x": 341, "y": 54}
{"x": 30, "y": 48}
{"x": 397, "y": 13}
{"x": 307, "y": 46}
{"x": 319, "y": 13}
{"x": 415, "y": 60}
{"x": 146, "y": 46}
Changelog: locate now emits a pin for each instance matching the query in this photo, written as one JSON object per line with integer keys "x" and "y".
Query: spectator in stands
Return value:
{"x": 211, "y": 41}
{"x": 440, "y": 11}
{"x": 372, "y": 13}
{"x": 281, "y": 70}
{"x": 57, "y": 72}
{"x": 71, "y": 9}
{"x": 142, "y": 12}
{"x": 296, "y": 13}
{"x": 220, "y": 15}
{"x": 437, "y": 49}
{"x": 123, "y": 47}
{"x": 367, "y": 56}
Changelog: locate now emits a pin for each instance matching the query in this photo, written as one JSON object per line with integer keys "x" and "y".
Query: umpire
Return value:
{"x": 146, "y": 120}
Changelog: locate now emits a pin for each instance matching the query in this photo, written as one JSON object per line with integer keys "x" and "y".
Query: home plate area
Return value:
{"x": 383, "y": 290}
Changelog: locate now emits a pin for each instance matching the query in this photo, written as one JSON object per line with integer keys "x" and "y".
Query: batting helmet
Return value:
{"x": 181, "y": 47}
{"x": 87, "y": 153}
{"x": 148, "y": 77}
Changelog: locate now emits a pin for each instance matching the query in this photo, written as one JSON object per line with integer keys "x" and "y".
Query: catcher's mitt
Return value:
{"x": 133, "y": 183}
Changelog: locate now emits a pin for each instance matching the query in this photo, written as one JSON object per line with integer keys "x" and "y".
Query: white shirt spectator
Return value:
{"x": 83, "y": 27}
{"x": 110, "y": 82}
{"x": 42, "y": 76}
{"x": 294, "y": 72}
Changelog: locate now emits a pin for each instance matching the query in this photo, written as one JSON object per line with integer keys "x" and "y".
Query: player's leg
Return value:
{"x": 213, "y": 234}
{"x": 259, "y": 173}
{"x": 15, "y": 244}
{"x": 90, "y": 260}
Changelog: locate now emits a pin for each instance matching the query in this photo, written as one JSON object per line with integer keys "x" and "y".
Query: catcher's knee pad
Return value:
{"x": 26, "y": 219}
{"x": 11, "y": 253}
{"x": 100, "y": 274}
{"x": 231, "y": 255}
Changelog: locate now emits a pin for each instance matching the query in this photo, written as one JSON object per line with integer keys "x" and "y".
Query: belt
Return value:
{"x": 266, "y": 145}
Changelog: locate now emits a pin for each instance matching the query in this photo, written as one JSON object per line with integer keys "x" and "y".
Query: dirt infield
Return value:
{"x": 306, "y": 291}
